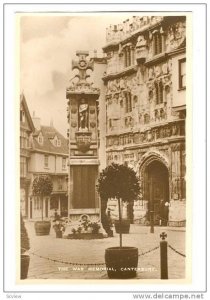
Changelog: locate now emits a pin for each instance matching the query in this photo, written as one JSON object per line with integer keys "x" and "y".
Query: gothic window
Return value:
{"x": 128, "y": 102}
{"x": 182, "y": 73}
{"x": 162, "y": 114}
{"x": 159, "y": 92}
{"x": 150, "y": 95}
{"x": 157, "y": 116}
{"x": 135, "y": 99}
{"x": 157, "y": 43}
{"x": 40, "y": 139}
{"x": 128, "y": 56}
{"x": 146, "y": 119}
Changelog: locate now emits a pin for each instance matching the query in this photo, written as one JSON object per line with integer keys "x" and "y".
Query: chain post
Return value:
{"x": 163, "y": 256}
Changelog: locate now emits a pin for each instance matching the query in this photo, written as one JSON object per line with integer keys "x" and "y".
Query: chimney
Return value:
{"x": 36, "y": 121}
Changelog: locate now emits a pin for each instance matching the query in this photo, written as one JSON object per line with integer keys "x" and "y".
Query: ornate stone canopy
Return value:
{"x": 82, "y": 86}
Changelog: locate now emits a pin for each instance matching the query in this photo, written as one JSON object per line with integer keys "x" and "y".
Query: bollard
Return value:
{"x": 163, "y": 257}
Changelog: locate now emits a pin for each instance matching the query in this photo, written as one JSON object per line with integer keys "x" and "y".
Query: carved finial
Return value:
{"x": 82, "y": 65}
{"x": 163, "y": 236}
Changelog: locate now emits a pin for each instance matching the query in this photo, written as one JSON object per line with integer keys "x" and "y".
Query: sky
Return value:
{"x": 48, "y": 44}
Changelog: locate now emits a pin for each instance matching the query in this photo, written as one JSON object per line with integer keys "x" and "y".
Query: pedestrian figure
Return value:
{"x": 166, "y": 211}
{"x": 109, "y": 223}
{"x": 56, "y": 215}
{"x": 161, "y": 212}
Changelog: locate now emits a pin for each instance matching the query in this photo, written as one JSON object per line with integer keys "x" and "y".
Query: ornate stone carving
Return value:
{"x": 82, "y": 64}
{"x": 92, "y": 111}
{"x": 74, "y": 110}
{"x": 116, "y": 141}
{"x": 150, "y": 136}
{"x": 176, "y": 35}
{"x": 92, "y": 124}
{"x": 83, "y": 140}
{"x": 157, "y": 71}
{"x": 150, "y": 95}
{"x": 73, "y": 124}
{"x": 83, "y": 115}
{"x": 165, "y": 69}
{"x": 175, "y": 147}
{"x": 141, "y": 49}
{"x": 151, "y": 74}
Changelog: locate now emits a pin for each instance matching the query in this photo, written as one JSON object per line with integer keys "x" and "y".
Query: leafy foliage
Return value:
{"x": 118, "y": 181}
{"x": 59, "y": 225}
{"x": 86, "y": 224}
{"x": 42, "y": 185}
{"x": 24, "y": 242}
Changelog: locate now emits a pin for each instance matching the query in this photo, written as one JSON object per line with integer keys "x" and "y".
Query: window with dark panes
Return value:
{"x": 182, "y": 73}
{"x": 157, "y": 42}
{"x": 159, "y": 92}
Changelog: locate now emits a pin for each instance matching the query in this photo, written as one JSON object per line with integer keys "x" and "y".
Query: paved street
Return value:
{"x": 92, "y": 252}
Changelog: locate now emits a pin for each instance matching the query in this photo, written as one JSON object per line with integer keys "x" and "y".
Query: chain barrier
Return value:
{"x": 64, "y": 262}
{"x": 176, "y": 251}
{"x": 80, "y": 264}
{"x": 151, "y": 250}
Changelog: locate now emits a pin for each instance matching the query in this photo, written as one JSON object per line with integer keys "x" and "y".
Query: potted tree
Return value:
{"x": 25, "y": 246}
{"x": 121, "y": 182}
{"x": 42, "y": 187}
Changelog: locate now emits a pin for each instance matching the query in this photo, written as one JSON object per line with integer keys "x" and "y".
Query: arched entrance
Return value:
{"x": 156, "y": 190}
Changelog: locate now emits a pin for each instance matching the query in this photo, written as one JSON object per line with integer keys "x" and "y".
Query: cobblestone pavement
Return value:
{"x": 92, "y": 252}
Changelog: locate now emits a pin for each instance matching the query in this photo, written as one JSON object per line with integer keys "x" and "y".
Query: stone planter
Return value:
{"x": 24, "y": 265}
{"x": 42, "y": 227}
{"x": 121, "y": 262}
{"x": 125, "y": 226}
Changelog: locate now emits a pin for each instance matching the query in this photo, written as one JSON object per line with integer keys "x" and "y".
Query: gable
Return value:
{"x": 25, "y": 117}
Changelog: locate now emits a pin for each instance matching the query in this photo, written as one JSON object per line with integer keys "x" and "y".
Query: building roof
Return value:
{"x": 25, "y": 107}
{"x": 48, "y": 134}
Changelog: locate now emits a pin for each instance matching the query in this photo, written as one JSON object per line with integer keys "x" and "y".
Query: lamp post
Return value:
{"x": 151, "y": 206}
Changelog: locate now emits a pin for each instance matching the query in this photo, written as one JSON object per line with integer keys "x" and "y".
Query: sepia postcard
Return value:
{"x": 99, "y": 91}
{"x": 103, "y": 117}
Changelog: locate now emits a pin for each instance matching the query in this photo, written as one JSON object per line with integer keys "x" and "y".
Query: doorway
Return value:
{"x": 64, "y": 206}
{"x": 157, "y": 191}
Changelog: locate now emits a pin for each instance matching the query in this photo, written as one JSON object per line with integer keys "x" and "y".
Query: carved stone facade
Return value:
{"x": 145, "y": 110}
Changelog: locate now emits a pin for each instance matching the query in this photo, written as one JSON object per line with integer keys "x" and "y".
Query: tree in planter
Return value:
{"x": 25, "y": 246}
{"x": 121, "y": 182}
{"x": 42, "y": 187}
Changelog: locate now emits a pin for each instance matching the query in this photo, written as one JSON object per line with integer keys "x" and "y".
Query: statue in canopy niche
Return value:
{"x": 83, "y": 115}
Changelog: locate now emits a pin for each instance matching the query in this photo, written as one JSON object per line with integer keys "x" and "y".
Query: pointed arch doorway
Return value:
{"x": 156, "y": 190}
